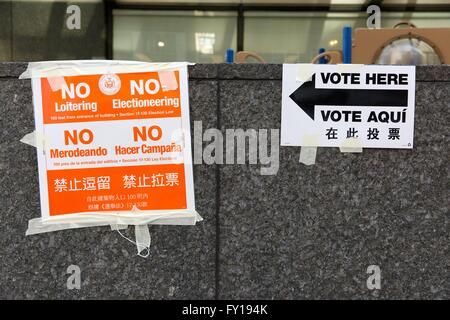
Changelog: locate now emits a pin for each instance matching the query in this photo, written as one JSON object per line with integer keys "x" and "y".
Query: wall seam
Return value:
{"x": 217, "y": 213}
{"x": 11, "y": 32}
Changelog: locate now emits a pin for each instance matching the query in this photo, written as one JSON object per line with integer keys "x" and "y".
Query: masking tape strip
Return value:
{"x": 168, "y": 80}
{"x": 30, "y": 139}
{"x": 349, "y": 67}
{"x": 143, "y": 240}
{"x": 56, "y": 83}
{"x": 304, "y": 72}
{"x": 115, "y": 227}
{"x": 124, "y": 217}
{"x": 308, "y": 155}
{"x": 308, "y": 150}
{"x": 351, "y": 145}
{"x": 91, "y": 219}
{"x": 34, "y": 139}
{"x": 46, "y": 69}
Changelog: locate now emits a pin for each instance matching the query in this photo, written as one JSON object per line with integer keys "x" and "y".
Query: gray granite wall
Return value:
{"x": 307, "y": 232}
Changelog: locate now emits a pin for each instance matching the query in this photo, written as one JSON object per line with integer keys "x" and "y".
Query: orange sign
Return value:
{"x": 114, "y": 142}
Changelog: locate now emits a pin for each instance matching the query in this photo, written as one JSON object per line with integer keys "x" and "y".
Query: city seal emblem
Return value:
{"x": 109, "y": 84}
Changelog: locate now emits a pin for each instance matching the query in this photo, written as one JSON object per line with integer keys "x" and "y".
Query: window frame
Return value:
{"x": 240, "y": 10}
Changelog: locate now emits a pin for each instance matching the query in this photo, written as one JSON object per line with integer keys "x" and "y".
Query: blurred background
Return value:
{"x": 195, "y": 31}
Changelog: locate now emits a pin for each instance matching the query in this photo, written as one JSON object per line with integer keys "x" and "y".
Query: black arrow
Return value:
{"x": 307, "y": 96}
